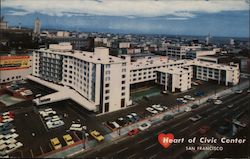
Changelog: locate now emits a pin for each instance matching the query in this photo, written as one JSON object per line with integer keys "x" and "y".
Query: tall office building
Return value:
{"x": 37, "y": 26}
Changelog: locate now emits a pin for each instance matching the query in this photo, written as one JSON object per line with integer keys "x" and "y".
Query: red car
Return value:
{"x": 133, "y": 132}
{"x": 204, "y": 129}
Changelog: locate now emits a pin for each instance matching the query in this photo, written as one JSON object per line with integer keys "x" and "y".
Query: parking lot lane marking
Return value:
{"x": 150, "y": 146}
{"x": 178, "y": 124}
{"x": 41, "y": 149}
{"x": 131, "y": 156}
{"x": 143, "y": 140}
{"x": 183, "y": 129}
{"x": 124, "y": 149}
{"x": 153, "y": 156}
{"x": 76, "y": 135}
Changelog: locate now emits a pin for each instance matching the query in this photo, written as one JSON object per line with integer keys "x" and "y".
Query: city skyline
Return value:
{"x": 229, "y": 19}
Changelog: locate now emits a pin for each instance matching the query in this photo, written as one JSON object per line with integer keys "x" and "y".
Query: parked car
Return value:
{"x": 144, "y": 126}
{"x": 204, "y": 129}
{"x": 199, "y": 93}
{"x": 96, "y": 135}
{"x": 133, "y": 132}
{"x": 164, "y": 107}
{"x": 168, "y": 117}
{"x": 217, "y": 102}
{"x": 189, "y": 97}
{"x": 115, "y": 124}
{"x": 121, "y": 121}
{"x": 56, "y": 143}
{"x": 68, "y": 139}
{"x": 135, "y": 116}
{"x": 187, "y": 109}
{"x": 195, "y": 118}
{"x": 151, "y": 110}
{"x": 157, "y": 107}
{"x": 248, "y": 91}
{"x": 230, "y": 105}
{"x": 238, "y": 91}
{"x": 130, "y": 118}
{"x": 111, "y": 125}
{"x": 181, "y": 100}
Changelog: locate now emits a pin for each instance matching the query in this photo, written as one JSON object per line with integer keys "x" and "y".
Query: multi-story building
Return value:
{"x": 97, "y": 77}
{"x": 179, "y": 51}
{"x": 175, "y": 79}
{"x": 105, "y": 81}
{"x": 193, "y": 54}
{"x": 15, "y": 67}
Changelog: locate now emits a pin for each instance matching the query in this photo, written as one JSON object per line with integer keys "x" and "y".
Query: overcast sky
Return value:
{"x": 190, "y": 17}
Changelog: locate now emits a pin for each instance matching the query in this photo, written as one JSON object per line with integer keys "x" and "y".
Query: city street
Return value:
{"x": 145, "y": 144}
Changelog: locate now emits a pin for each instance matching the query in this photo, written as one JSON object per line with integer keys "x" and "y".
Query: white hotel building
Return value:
{"x": 102, "y": 82}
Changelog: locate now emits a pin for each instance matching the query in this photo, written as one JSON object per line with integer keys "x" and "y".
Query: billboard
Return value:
{"x": 14, "y": 62}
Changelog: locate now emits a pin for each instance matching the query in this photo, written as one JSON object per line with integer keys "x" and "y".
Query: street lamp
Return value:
{"x": 84, "y": 136}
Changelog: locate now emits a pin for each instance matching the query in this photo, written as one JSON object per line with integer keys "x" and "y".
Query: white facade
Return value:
{"x": 124, "y": 45}
{"x": 105, "y": 80}
{"x": 179, "y": 51}
{"x": 175, "y": 78}
{"x": 98, "y": 77}
{"x": 199, "y": 53}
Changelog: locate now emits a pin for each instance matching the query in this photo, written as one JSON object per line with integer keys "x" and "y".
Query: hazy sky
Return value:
{"x": 190, "y": 17}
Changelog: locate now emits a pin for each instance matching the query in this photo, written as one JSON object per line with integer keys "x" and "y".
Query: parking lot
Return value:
{"x": 35, "y": 135}
{"x": 168, "y": 100}
{"x": 33, "y": 132}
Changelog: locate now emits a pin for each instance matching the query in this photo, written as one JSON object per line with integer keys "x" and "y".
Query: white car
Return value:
{"x": 151, "y": 110}
{"x": 116, "y": 125}
{"x": 188, "y": 109}
{"x": 195, "y": 118}
{"x": 157, "y": 107}
{"x": 230, "y": 106}
{"x": 238, "y": 91}
{"x": 144, "y": 126}
{"x": 248, "y": 91}
{"x": 217, "y": 102}
{"x": 164, "y": 107}
{"x": 189, "y": 97}
{"x": 182, "y": 100}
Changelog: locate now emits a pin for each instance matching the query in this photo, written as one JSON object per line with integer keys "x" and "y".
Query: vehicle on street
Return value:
{"x": 189, "y": 97}
{"x": 230, "y": 105}
{"x": 248, "y": 91}
{"x": 187, "y": 109}
{"x": 68, "y": 139}
{"x": 199, "y": 93}
{"x": 217, "y": 102}
{"x": 133, "y": 132}
{"x": 168, "y": 117}
{"x": 151, "y": 110}
{"x": 157, "y": 107}
{"x": 115, "y": 124}
{"x": 195, "y": 118}
{"x": 164, "y": 107}
{"x": 194, "y": 106}
{"x": 96, "y": 135}
{"x": 144, "y": 126}
{"x": 238, "y": 91}
{"x": 56, "y": 143}
{"x": 204, "y": 129}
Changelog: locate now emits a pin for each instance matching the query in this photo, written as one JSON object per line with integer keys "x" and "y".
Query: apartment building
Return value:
{"x": 105, "y": 81}
{"x": 97, "y": 77}
{"x": 223, "y": 74}
{"x": 180, "y": 51}
{"x": 193, "y": 54}
{"x": 175, "y": 79}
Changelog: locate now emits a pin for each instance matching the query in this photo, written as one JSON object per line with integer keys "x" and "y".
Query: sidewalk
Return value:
{"x": 114, "y": 136}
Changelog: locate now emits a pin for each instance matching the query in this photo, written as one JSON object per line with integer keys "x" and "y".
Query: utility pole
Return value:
{"x": 84, "y": 128}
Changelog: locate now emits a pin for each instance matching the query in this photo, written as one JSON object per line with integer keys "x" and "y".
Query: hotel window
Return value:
{"x": 106, "y": 85}
{"x": 106, "y": 107}
{"x": 107, "y": 98}
{"x": 123, "y": 82}
{"x": 107, "y": 79}
{"x": 107, "y": 91}
{"x": 108, "y": 66}
{"x": 123, "y": 76}
{"x": 123, "y": 88}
